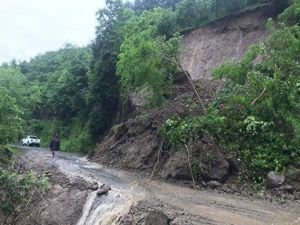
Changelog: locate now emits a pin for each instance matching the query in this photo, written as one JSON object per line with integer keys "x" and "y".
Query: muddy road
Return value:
{"x": 132, "y": 197}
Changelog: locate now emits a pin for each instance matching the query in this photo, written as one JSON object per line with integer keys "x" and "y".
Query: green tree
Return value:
{"x": 262, "y": 109}
{"x": 10, "y": 118}
{"x": 25, "y": 93}
{"x": 142, "y": 5}
{"x": 145, "y": 59}
{"x": 66, "y": 88}
{"x": 103, "y": 93}
{"x": 193, "y": 13}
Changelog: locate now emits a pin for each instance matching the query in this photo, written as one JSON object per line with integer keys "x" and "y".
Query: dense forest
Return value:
{"x": 81, "y": 92}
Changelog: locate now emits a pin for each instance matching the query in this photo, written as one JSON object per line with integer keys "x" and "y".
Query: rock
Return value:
{"x": 233, "y": 164}
{"x": 234, "y": 188}
{"x": 297, "y": 196}
{"x": 203, "y": 184}
{"x": 212, "y": 48}
{"x": 227, "y": 189}
{"x": 198, "y": 187}
{"x": 219, "y": 169}
{"x": 64, "y": 207}
{"x": 293, "y": 174}
{"x": 140, "y": 98}
{"x": 274, "y": 179}
{"x": 94, "y": 186}
{"x": 296, "y": 164}
{"x": 176, "y": 167}
{"x": 287, "y": 188}
{"x": 156, "y": 218}
{"x": 213, "y": 184}
{"x": 103, "y": 190}
{"x": 292, "y": 177}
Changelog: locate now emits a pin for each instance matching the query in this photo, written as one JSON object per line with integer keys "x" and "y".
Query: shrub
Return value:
{"x": 18, "y": 189}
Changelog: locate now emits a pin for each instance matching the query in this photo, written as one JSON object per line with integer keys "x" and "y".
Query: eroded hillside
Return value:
{"x": 138, "y": 143}
{"x": 227, "y": 39}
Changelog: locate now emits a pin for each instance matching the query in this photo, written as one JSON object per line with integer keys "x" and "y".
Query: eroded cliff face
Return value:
{"x": 226, "y": 39}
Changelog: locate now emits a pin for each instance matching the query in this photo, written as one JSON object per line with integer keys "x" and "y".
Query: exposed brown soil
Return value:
{"x": 136, "y": 143}
{"x": 227, "y": 39}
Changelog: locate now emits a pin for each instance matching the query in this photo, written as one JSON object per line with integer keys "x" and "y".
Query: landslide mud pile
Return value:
{"x": 136, "y": 143}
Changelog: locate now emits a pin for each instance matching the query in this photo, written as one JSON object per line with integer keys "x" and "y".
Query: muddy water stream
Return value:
{"x": 107, "y": 209}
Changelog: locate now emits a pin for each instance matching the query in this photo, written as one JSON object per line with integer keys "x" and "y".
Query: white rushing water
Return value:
{"x": 106, "y": 209}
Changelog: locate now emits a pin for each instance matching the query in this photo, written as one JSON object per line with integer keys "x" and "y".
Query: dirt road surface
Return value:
{"x": 137, "y": 195}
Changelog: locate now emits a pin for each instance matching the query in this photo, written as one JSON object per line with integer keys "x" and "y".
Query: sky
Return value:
{"x": 32, "y": 27}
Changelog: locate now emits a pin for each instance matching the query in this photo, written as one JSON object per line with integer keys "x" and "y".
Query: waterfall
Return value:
{"x": 106, "y": 209}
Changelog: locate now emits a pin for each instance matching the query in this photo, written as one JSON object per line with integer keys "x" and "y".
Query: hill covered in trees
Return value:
{"x": 81, "y": 92}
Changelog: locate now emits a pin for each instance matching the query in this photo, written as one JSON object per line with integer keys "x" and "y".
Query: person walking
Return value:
{"x": 54, "y": 148}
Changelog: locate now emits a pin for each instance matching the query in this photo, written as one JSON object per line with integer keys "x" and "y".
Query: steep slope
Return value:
{"x": 227, "y": 39}
{"x": 137, "y": 143}
{"x": 133, "y": 144}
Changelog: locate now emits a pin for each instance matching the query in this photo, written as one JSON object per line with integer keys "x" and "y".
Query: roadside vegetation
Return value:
{"x": 17, "y": 189}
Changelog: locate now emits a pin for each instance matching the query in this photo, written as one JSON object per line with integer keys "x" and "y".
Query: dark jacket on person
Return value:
{"x": 55, "y": 144}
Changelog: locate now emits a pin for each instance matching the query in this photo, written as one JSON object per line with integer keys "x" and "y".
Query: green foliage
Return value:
{"x": 79, "y": 139}
{"x": 238, "y": 72}
{"x": 63, "y": 79}
{"x": 291, "y": 16}
{"x": 142, "y": 5}
{"x": 76, "y": 91}
{"x": 17, "y": 190}
{"x": 103, "y": 92}
{"x": 63, "y": 86}
{"x": 263, "y": 105}
{"x": 75, "y": 135}
{"x": 40, "y": 67}
{"x": 10, "y": 118}
{"x": 183, "y": 131}
{"x": 146, "y": 57}
{"x": 46, "y": 129}
{"x": 193, "y": 13}
{"x": 75, "y": 84}
{"x": 27, "y": 94}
